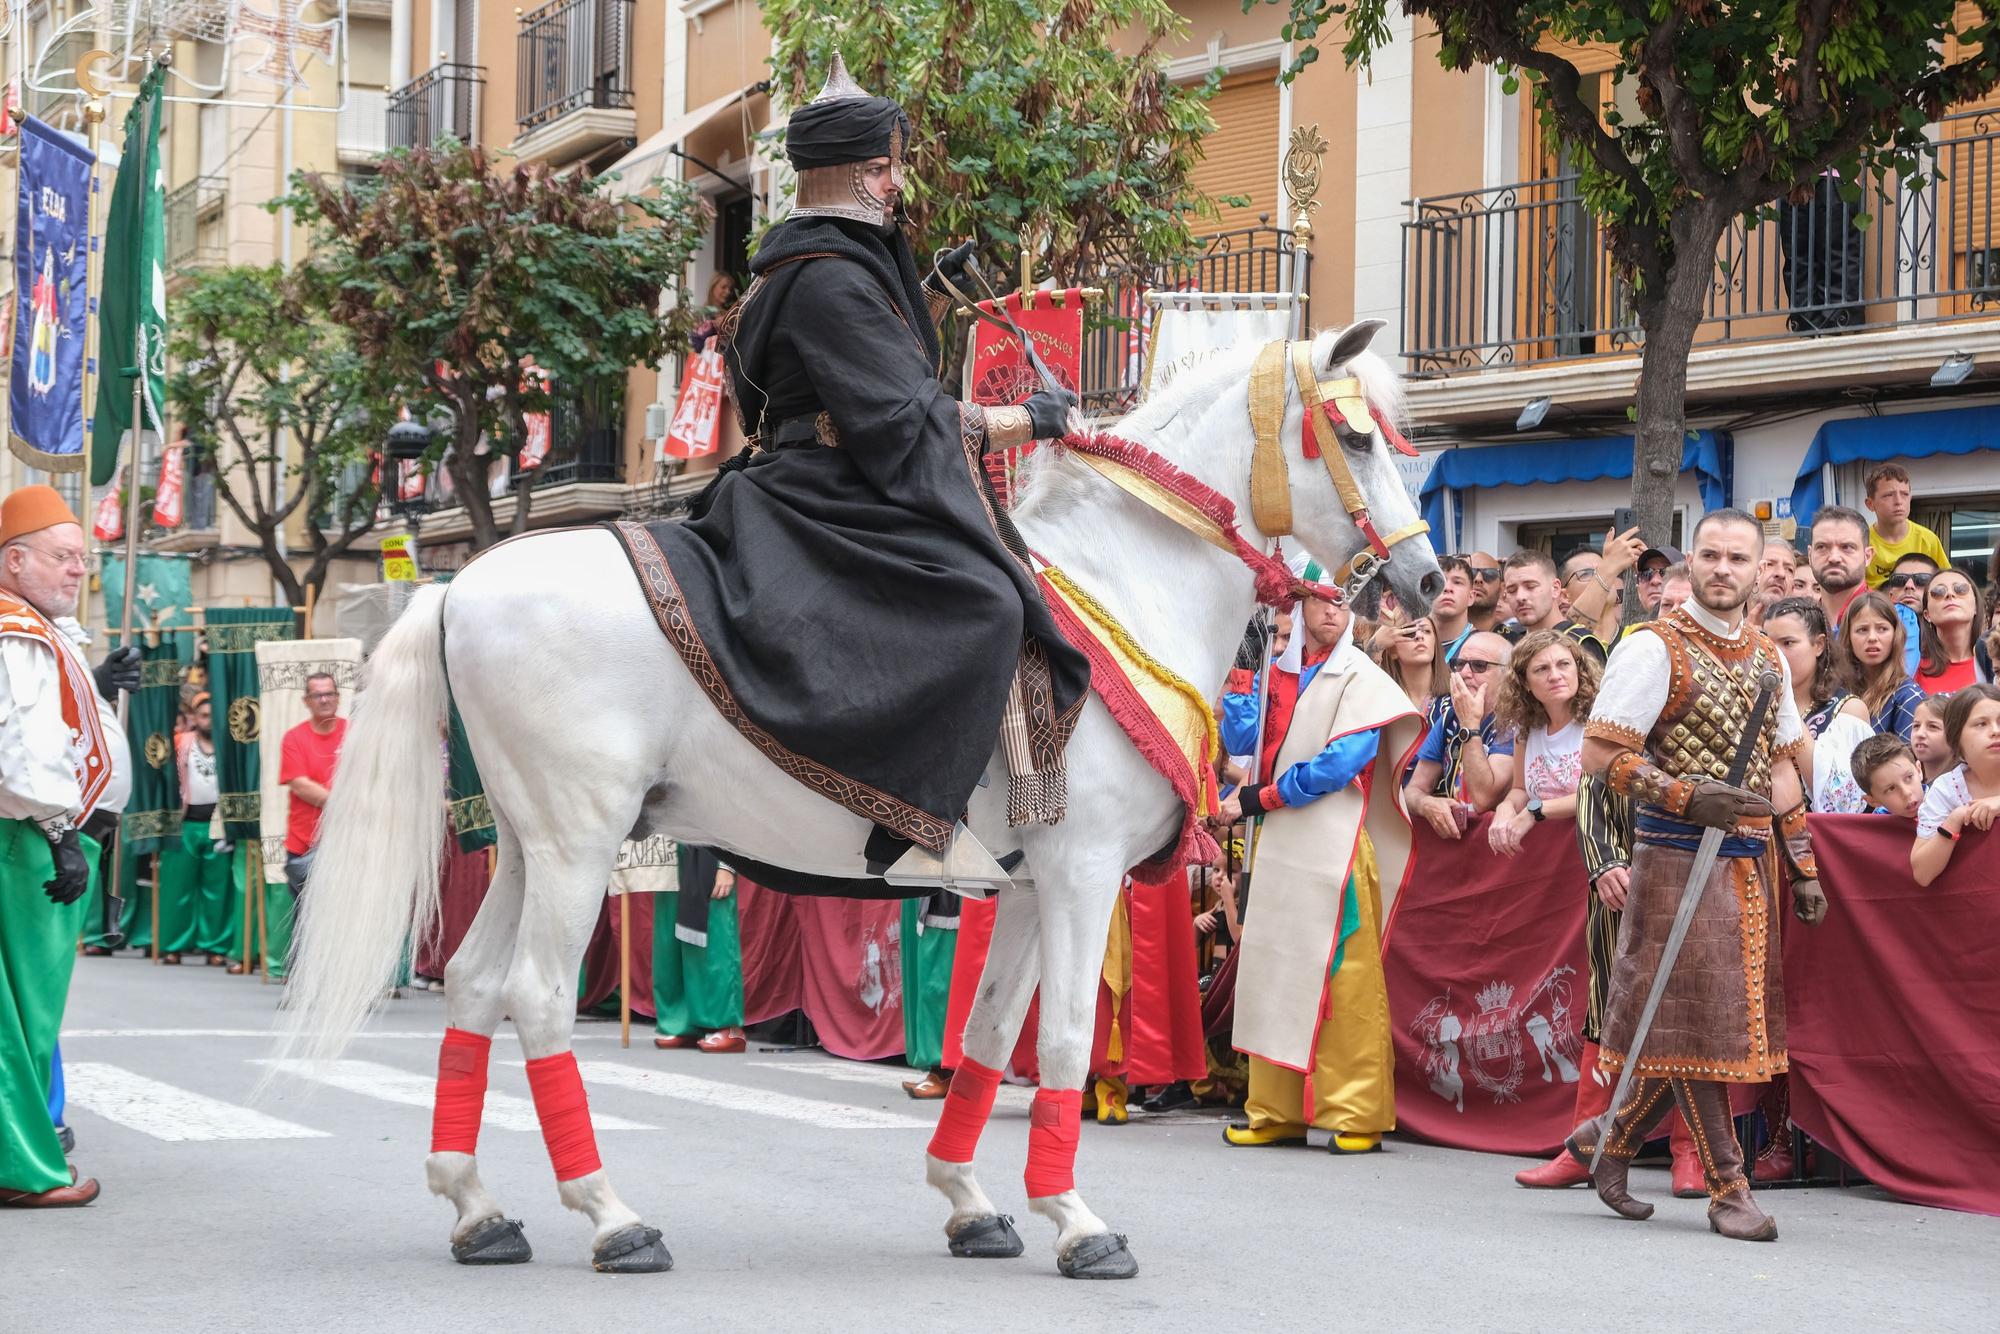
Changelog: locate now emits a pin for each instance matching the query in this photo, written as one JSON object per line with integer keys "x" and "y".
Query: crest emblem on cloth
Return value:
{"x": 1485, "y": 1042}
{"x": 246, "y": 720}
{"x": 159, "y": 750}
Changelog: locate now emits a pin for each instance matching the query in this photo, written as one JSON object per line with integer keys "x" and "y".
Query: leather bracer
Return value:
{"x": 1637, "y": 777}
{"x": 1796, "y": 842}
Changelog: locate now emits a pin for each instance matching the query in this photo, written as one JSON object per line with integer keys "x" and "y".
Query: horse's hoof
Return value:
{"x": 497, "y": 1241}
{"x": 632, "y": 1250}
{"x": 1102, "y": 1256}
{"x": 989, "y": 1238}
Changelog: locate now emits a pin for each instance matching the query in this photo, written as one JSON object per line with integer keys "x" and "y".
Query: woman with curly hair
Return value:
{"x": 1871, "y": 650}
{"x": 1544, "y": 699}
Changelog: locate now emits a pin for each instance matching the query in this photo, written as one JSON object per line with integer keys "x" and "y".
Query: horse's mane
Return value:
{"x": 1050, "y": 482}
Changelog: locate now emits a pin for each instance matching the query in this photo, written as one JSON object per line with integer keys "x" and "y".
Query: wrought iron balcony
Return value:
{"x": 196, "y": 238}
{"x": 1521, "y": 274}
{"x": 587, "y": 435}
{"x": 1254, "y": 259}
{"x": 441, "y": 103}
{"x": 573, "y": 55}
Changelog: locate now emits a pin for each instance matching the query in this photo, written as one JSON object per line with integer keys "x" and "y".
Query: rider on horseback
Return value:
{"x": 848, "y": 580}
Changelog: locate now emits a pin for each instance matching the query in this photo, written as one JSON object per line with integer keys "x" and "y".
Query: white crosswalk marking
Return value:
{"x": 166, "y": 1112}
{"x": 1008, "y": 1095}
{"x": 736, "y": 1098}
{"x": 504, "y": 1111}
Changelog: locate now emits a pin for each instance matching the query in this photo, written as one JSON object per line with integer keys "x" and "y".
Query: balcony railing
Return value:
{"x": 587, "y": 441}
{"x": 195, "y": 235}
{"x": 574, "y": 54}
{"x": 1520, "y": 273}
{"x": 441, "y": 103}
{"x": 1255, "y": 259}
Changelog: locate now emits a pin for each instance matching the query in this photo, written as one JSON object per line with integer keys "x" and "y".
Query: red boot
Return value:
{"x": 1593, "y": 1098}
{"x": 1689, "y": 1184}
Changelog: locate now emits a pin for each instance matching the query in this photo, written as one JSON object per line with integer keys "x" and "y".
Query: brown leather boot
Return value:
{"x": 1647, "y": 1102}
{"x": 1776, "y": 1161}
{"x": 1731, "y": 1211}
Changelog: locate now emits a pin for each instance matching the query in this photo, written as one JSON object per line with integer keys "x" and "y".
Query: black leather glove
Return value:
{"x": 1717, "y": 805}
{"x": 72, "y": 875}
{"x": 1048, "y": 413}
{"x": 950, "y": 266}
{"x": 119, "y": 671}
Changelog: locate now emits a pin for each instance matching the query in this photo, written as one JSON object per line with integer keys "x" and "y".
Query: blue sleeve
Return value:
{"x": 1497, "y": 741}
{"x": 1239, "y": 722}
{"x": 1912, "y": 647}
{"x": 1899, "y": 715}
{"x": 1433, "y": 747}
{"x": 1331, "y": 770}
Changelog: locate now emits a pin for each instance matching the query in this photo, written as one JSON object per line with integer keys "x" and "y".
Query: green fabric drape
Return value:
{"x": 471, "y": 815}
{"x": 37, "y": 956}
{"x": 152, "y": 817}
{"x": 233, "y": 636}
{"x": 926, "y": 959}
{"x": 696, "y": 988}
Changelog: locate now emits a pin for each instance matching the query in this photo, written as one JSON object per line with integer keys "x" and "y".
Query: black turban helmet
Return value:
{"x": 829, "y": 138}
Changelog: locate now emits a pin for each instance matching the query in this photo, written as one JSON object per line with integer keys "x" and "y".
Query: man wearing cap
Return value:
{"x": 861, "y": 513}
{"x": 62, "y": 756}
{"x": 1312, "y": 1003}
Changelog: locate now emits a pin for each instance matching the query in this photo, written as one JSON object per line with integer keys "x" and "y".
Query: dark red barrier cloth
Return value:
{"x": 1487, "y": 990}
{"x": 600, "y": 957}
{"x": 836, "y": 960}
{"x": 1894, "y": 1008}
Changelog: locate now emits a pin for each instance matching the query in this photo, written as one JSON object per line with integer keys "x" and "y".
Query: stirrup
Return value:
{"x": 965, "y": 867}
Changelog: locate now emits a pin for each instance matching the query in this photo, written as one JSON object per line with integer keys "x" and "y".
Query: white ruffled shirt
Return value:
{"x": 37, "y": 759}
{"x": 1640, "y": 673}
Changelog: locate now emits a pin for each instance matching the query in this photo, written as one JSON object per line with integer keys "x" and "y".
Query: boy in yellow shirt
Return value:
{"x": 1892, "y": 535}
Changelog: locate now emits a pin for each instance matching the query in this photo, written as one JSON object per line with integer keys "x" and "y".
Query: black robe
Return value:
{"x": 852, "y": 608}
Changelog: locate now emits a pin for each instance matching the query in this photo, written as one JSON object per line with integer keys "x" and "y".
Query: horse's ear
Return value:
{"x": 1353, "y": 341}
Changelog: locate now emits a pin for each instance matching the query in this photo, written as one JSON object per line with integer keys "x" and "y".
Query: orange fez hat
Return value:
{"x": 29, "y": 509}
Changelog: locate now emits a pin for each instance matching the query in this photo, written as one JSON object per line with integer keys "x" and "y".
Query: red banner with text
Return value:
{"x": 696, "y": 430}
{"x": 999, "y": 372}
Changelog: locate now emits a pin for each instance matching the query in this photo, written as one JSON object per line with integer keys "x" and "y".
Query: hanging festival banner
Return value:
{"x": 233, "y": 634}
{"x": 997, "y": 372}
{"x": 108, "y": 524}
{"x": 152, "y": 815}
{"x": 51, "y": 260}
{"x": 132, "y": 300}
{"x": 169, "y": 498}
{"x": 697, "y": 425}
{"x": 1187, "y": 331}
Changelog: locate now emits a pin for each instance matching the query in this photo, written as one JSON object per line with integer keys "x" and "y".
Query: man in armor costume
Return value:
{"x": 1674, "y": 710}
{"x": 848, "y": 578}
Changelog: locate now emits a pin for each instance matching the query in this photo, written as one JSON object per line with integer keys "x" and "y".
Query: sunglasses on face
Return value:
{"x": 1915, "y": 580}
{"x": 1486, "y": 574}
{"x": 1474, "y": 666}
{"x": 1652, "y": 572}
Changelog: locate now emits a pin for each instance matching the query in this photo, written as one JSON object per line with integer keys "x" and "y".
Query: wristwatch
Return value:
{"x": 1534, "y": 808}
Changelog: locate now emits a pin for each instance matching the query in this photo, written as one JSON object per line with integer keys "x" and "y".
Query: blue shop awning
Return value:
{"x": 1907, "y": 435}
{"x": 1469, "y": 467}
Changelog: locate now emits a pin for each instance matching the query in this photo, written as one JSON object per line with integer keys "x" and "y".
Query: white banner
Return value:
{"x": 1189, "y": 328}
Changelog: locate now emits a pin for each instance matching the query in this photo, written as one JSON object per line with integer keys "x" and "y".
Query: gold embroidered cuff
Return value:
{"x": 1007, "y": 427}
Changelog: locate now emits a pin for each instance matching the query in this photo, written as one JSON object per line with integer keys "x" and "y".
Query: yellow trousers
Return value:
{"x": 1353, "y": 1083}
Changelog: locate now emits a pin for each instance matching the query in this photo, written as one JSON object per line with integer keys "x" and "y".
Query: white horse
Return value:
{"x": 588, "y": 729}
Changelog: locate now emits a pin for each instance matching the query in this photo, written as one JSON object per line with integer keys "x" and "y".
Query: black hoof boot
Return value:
{"x": 989, "y": 1238}
{"x": 1102, "y": 1256}
{"x": 632, "y": 1250}
{"x": 497, "y": 1241}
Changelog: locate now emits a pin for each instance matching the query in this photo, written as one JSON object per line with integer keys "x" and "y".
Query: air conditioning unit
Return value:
{"x": 658, "y": 418}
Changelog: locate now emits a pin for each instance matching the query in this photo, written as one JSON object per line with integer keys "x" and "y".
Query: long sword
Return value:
{"x": 1704, "y": 862}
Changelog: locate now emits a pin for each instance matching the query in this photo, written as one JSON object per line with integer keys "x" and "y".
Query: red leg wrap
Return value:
{"x": 565, "y": 1115}
{"x": 1052, "y": 1132}
{"x": 461, "y": 1092}
{"x": 966, "y": 1108}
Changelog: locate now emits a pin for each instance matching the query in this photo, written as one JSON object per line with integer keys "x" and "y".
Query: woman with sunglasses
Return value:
{"x": 1953, "y": 633}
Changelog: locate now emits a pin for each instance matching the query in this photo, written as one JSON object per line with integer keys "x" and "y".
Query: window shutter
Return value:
{"x": 1240, "y": 155}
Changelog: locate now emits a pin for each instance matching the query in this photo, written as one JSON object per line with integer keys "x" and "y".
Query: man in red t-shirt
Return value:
{"x": 306, "y": 764}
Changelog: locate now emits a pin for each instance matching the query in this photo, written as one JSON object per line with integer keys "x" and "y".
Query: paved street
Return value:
{"x": 790, "y": 1190}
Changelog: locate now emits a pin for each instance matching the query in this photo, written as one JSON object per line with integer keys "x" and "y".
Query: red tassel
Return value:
{"x": 564, "y": 1112}
{"x": 966, "y": 1108}
{"x": 461, "y": 1092}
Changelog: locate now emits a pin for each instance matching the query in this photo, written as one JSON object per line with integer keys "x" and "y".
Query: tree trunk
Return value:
{"x": 469, "y": 474}
{"x": 1670, "y": 324}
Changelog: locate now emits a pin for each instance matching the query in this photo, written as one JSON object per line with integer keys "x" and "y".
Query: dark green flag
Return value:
{"x": 131, "y": 308}
{"x": 153, "y": 812}
{"x": 233, "y": 635}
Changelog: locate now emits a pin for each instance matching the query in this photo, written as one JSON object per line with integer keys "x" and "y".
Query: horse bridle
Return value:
{"x": 1344, "y": 408}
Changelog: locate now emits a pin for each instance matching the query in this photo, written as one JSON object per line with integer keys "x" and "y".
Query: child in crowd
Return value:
{"x": 1927, "y": 738}
{"x": 1871, "y": 644}
{"x": 1887, "y": 770}
{"x": 1969, "y": 795}
{"x": 1892, "y": 536}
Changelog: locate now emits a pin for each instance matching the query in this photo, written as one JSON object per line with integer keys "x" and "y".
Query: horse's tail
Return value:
{"x": 374, "y": 879}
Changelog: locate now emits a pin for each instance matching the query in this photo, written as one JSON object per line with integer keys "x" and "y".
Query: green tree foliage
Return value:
{"x": 280, "y": 408}
{"x": 454, "y": 276}
{"x": 1029, "y": 120}
{"x": 1744, "y": 103}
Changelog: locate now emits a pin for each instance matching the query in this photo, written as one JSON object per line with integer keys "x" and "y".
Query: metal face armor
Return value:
{"x": 832, "y": 140}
